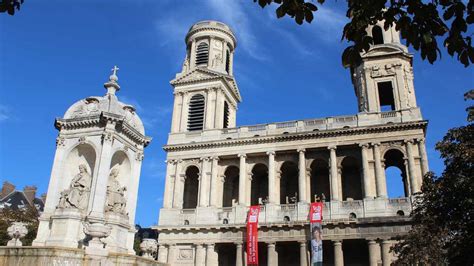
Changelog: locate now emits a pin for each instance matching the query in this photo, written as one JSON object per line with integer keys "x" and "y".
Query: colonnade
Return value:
{"x": 207, "y": 254}
{"x": 372, "y": 174}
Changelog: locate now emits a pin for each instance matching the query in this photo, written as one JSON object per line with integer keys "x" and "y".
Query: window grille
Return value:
{"x": 202, "y": 54}
{"x": 196, "y": 113}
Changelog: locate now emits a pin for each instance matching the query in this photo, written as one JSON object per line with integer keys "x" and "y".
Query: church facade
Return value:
{"x": 216, "y": 169}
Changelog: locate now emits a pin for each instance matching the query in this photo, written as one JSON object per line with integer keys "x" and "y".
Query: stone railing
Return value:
{"x": 320, "y": 124}
{"x": 287, "y": 213}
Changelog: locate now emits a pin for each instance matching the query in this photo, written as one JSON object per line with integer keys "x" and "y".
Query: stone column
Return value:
{"x": 192, "y": 55}
{"x": 338, "y": 255}
{"x": 242, "y": 179}
{"x": 178, "y": 186}
{"x": 365, "y": 170}
{"x": 238, "y": 254}
{"x": 162, "y": 253}
{"x": 211, "y": 256}
{"x": 303, "y": 257}
{"x": 204, "y": 183}
{"x": 177, "y": 108}
{"x": 423, "y": 156}
{"x": 334, "y": 173}
{"x": 271, "y": 177}
{"x": 272, "y": 254}
{"x": 200, "y": 255}
{"x": 171, "y": 254}
{"x": 214, "y": 181}
{"x": 386, "y": 258}
{"x": 374, "y": 252}
{"x": 219, "y": 109}
{"x": 183, "y": 124}
{"x": 169, "y": 183}
{"x": 302, "y": 176}
{"x": 411, "y": 166}
{"x": 380, "y": 181}
{"x": 209, "y": 114}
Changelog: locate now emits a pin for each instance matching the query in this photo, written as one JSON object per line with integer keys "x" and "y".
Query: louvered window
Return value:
{"x": 226, "y": 115}
{"x": 202, "y": 54}
{"x": 196, "y": 113}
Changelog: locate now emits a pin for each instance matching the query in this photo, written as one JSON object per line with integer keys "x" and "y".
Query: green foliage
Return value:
{"x": 28, "y": 216}
{"x": 420, "y": 23}
{"x": 443, "y": 215}
{"x": 10, "y": 6}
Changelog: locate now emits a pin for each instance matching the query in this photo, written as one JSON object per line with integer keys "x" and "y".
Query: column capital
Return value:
{"x": 204, "y": 159}
{"x": 408, "y": 141}
{"x": 271, "y": 244}
{"x": 242, "y": 155}
{"x": 332, "y": 147}
{"x": 210, "y": 245}
{"x": 270, "y": 153}
{"x": 371, "y": 241}
{"x": 337, "y": 242}
{"x": 215, "y": 158}
{"x": 302, "y": 242}
{"x": 301, "y": 150}
{"x": 375, "y": 144}
{"x": 198, "y": 245}
{"x": 364, "y": 145}
{"x": 420, "y": 140}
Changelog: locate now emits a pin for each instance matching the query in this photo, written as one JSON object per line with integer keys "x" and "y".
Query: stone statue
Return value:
{"x": 149, "y": 247}
{"x": 16, "y": 231}
{"x": 77, "y": 195}
{"x": 217, "y": 60}
{"x": 116, "y": 201}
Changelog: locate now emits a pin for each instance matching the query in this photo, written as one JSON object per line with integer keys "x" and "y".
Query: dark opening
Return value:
{"x": 386, "y": 99}
{"x": 191, "y": 185}
{"x": 351, "y": 179}
{"x": 259, "y": 186}
{"x": 377, "y": 35}
{"x": 202, "y": 54}
{"x": 395, "y": 174}
{"x": 356, "y": 252}
{"x": 227, "y": 61}
{"x": 289, "y": 183}
{"x": 288, "y": 253}
{"x": 226, "y": 115}
{"x": 231, "y": 186}
{"x": 196, "y": 113}
{"x": 320, "y": 180}
{"x": 226, "y": 254}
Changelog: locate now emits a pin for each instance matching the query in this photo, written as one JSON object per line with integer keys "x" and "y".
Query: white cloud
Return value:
{"x": 4, "y": 113}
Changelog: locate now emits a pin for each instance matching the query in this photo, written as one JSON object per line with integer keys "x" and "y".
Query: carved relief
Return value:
{"x": 383, "y": 70}
{"x": 116, "y": 201}
{"x": 90, "y": 106}
{"x": 217, "y": 60}
{"x": 185, "y": 254}
{"x": 139, "y": 156}
{"x": 77, "y": 195}
{"x": 60, "y": 141}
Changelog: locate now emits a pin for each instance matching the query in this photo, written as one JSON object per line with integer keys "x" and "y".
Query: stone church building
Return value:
{"x": 216, "y": 169}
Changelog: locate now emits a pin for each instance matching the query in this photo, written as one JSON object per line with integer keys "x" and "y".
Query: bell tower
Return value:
{"x": 205, "y": 92}
{"x": 383, "y": 81}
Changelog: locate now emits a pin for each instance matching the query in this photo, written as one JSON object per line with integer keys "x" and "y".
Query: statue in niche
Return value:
{"x": 77, "y": 195}
{"x": 116, "y": 201}
{"x": 217, "y": 60}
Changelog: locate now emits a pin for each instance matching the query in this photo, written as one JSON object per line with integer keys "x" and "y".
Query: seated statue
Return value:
{"x": 77, "y": 195}
{"x": 116, "y": 201}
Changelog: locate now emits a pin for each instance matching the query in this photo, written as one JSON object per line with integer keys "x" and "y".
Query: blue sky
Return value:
{"x": 53, "y": 53}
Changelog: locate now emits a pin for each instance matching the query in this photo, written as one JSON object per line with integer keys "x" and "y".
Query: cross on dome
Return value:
{"x": 114, "y": 70}
{"x": 112, "y": 85}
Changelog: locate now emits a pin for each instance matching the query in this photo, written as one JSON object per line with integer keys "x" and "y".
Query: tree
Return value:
{"x": 443, "y": 215}
{"x": 10, "y": 6}
{"x": 419, "y": 22}
{"x": 29, "y": 216}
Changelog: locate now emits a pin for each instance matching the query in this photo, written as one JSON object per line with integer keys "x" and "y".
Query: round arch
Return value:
{"x": 231, "y": 186}
{"x": 395, "y": 173}
{"x": 191, "y": 187}
{"x": 320, "y": 179}
{"x": 259, "y": 184}
{"x": 289, "y": 182}
{"x": 351, "y": 179}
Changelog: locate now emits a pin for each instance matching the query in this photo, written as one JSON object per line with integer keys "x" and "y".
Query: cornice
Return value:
{"x": 298, "y": 136}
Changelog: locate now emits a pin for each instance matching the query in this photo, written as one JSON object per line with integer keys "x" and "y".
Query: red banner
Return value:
{"x": 252, "y": 235}
{"x": 316, "y": 212}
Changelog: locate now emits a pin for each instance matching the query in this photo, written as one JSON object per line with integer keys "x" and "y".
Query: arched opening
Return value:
{"x": 226, "y": 115}
{"x": 196, "y": 113}
{"x": 227, "y": 61}
{"x": 351, "y": 179}
{"x": 202, "y": 54}
{"x": 377, "y": 35}
{"x": 259, "y": 186}
{"x": 191, "y": 187}
{"x": 231, "y": 186}
{"x": 320, "y": 180}
{"x": 289, "y": 183}
{"x": 395, "y": 174}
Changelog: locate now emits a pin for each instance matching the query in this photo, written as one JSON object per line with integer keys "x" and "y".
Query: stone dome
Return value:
{"x": 211, "y": 28}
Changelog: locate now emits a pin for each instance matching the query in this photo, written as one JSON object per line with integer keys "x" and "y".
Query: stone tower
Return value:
{"x": 206, "y": 94}
{"x": 383, "y": 81}
{"x": 94, "y": 180}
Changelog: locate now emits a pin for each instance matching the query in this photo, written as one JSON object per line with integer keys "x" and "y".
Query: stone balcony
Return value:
{"x": 284, "y": 214}
{"x": 299, "y": 126}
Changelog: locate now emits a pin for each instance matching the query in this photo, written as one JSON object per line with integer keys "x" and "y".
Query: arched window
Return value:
{"x": 227, "y": 61}
{"x": 395, "y": 174}
{"x": 231, "y": 186}
{"x": 289, "y": 183}
{"x": 259, "y": 186}
{"x": 196, "y": 113}
{"x": 191, "y": 185}
{"x": 226, "y": 115}
{"x": 202, "y": 54}
{"x": 377, "y": 35}
{"x": 320, "y": 180}
{"x": 351, "y": 179}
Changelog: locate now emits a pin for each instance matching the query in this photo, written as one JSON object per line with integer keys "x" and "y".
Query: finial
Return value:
{"x": 112, "y": 86}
